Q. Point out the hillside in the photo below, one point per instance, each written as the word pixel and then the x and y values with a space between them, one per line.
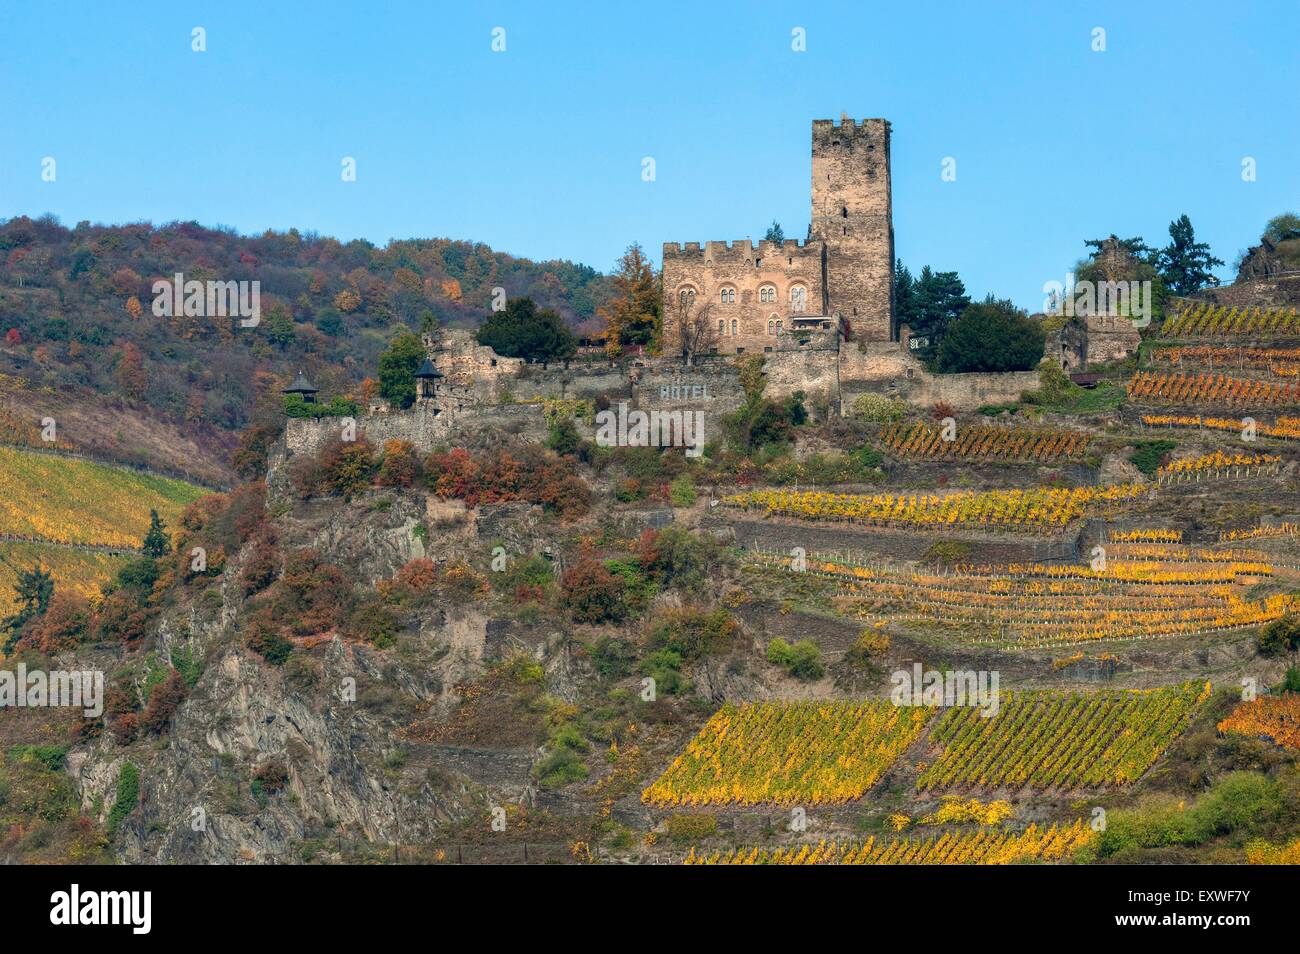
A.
pixel 77 325
pixel 61 499
pixel 518 645
pixel 78 519
pixel 858 631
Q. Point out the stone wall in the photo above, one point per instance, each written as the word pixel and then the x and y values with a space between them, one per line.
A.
pixel 1275 292
pixel 887 369
pixel 712 388
pixel 426 425
pixel 1095 339
pixel 780 535
pixel 466 364
pixel 580 379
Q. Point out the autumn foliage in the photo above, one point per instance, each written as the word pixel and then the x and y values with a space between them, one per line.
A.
pixel 530 474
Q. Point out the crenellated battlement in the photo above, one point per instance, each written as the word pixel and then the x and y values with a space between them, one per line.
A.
pixel 827 131
pixel 737 250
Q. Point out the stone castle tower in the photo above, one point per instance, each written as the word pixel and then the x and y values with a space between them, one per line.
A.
pixel 740 296
pixel 852 215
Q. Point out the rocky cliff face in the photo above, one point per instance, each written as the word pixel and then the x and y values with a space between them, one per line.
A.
pixel 310 759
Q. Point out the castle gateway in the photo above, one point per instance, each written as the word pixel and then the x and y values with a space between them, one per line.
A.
pixel 740 297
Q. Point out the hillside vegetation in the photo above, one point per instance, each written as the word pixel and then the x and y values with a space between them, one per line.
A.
pixel 81 572
pixel 76 313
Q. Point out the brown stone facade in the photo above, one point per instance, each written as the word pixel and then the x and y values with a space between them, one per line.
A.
pixel 852 215
pixel 1094 340
pixel 748 295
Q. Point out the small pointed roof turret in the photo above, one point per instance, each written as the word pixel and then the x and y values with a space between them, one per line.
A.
pixel 301 386
pixel 427 370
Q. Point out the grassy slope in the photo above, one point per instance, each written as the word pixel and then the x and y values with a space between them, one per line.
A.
pixel 74 501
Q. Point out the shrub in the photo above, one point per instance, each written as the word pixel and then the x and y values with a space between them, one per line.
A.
pixel 693 633
pixel 531 474
pixel 664 666
pixel 562 436
pixel 163 700
pixel 138 576
pixel 1280 636
pixel 400 466
pixel 272 775
pixel 189 664
pixel 65 624
pixel 123 617
pixel 681 492
pixel 871 642
pixel 592 593
pixel 311 596
pixel 877 409
pixel 347 466
pixel 687 829
pixel 295 406
pixel 374 622
pixel 128 796
pixel 803 660
pixel 1149 455
pixel 947 552
pixel 125 727
pixel 678 559
pixel 307 476
pixel 462 581
pixel 262 565
pixel 265 639
pixel 611 658
pixel 528 579
pixel 1241 804
pixel 564 764
pixel 411 583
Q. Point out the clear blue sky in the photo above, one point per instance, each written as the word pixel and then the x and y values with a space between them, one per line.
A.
pixel 537 151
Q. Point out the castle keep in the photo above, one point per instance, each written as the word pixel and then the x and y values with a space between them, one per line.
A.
pixel 744 296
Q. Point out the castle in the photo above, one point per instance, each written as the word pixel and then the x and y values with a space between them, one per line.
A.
pixel 740 297
pixel 800 303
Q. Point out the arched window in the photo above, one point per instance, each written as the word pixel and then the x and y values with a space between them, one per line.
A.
pixel 778 326
pixel 728 296
pixel 767 294
pixel 722 326
pixel 733 327
pixel 798 298
pixel 771 326
pixel 686 296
